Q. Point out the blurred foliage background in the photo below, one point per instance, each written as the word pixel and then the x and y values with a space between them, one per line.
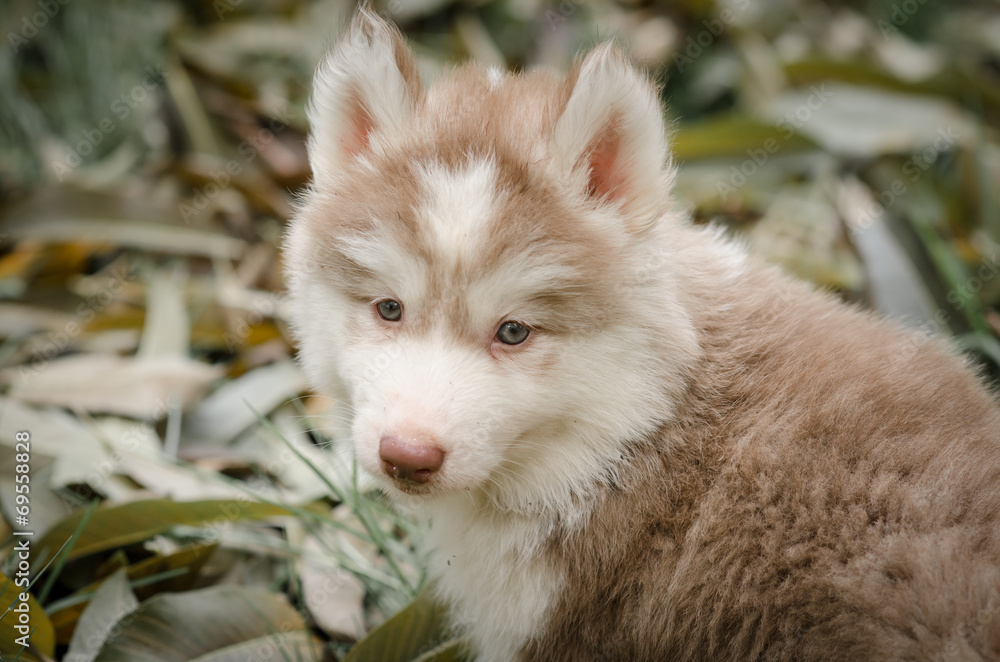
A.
pixel 150 154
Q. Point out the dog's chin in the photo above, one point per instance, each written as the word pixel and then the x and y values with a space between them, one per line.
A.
pixel 420 494
pixel 411 490
pixel 440 486
pixel 408 493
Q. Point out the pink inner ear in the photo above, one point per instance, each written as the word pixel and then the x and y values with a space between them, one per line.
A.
pixel 359 127
pixel 608 174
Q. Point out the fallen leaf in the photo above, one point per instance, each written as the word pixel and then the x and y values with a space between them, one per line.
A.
pixel 76 452
pixel 182 627
pixel 42 635
pixel 854 121
pixel 136 387
pixel 896 288
pixel 67 215
pixel 417 629
pixel 230 409
pixel 117 526
pixel 190 559
pixel 270 648
pixel 183 483
pixel 47 506
pixel 801 231
pixel 111 602
pixel 166 331
pixel 19 319
pixel 334 596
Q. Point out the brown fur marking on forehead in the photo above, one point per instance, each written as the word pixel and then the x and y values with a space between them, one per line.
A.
pixel 531 228
pixel 518 112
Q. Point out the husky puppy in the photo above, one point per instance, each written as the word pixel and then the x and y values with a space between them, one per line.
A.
pixel 634 441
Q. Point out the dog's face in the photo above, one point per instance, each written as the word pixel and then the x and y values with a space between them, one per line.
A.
pixel 467 272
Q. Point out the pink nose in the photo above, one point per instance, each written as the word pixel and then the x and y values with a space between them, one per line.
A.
pixel 413 461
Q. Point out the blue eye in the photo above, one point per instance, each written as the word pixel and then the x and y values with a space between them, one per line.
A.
pixel 512 333
pixel 389 310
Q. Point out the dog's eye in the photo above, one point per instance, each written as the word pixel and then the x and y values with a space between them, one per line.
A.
pixel 389 310
pixel 512 333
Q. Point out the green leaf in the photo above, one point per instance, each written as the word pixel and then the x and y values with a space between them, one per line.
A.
pixel 118 526
pixel 731 136
pixel 42 634
pixel 410 635
pixel 959 83
pixel 180 627
pixel 815 70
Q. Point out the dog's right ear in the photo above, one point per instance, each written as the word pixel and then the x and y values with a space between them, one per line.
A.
pixel 610 139
pixel 368 84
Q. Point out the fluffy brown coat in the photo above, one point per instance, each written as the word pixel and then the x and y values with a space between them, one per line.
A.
pixel 831 492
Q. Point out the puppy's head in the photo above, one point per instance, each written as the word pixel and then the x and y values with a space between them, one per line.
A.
pixel 480 271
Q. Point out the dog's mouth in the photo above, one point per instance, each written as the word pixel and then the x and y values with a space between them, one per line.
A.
pixel 411 488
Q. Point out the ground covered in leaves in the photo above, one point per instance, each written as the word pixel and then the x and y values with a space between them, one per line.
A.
pixel 187 496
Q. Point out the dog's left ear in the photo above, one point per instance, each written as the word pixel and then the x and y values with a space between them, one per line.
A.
pixel 610 138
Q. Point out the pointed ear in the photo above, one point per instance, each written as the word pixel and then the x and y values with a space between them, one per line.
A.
pixel 610 138
pixel 366 85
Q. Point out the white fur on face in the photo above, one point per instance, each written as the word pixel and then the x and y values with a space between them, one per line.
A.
pixel 437 384
pixel 459 205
